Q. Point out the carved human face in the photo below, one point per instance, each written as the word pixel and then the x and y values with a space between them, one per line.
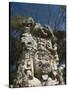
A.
pixel 41 44
pixel 28 42
pixel 46 68
pixel 43 61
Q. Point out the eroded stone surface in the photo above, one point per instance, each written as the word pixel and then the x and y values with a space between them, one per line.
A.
pixel 39 64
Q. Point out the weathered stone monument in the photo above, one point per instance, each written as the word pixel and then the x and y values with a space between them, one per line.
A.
pixel 38 64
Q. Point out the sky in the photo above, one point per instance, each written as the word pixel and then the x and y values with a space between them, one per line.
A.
pixel 39 12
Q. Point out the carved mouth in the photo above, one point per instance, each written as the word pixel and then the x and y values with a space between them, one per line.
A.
pixel 26 48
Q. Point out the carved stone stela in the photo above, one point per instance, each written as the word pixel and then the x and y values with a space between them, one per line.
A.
pixel 39 63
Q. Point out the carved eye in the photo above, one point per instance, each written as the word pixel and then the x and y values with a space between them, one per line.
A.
pixel 55 57
pixel 43 45
pixel 48 45
pixel 29 42
pixel 23 36
pixel 23 43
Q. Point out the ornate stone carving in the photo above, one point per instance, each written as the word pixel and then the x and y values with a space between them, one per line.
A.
pixel 40 58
